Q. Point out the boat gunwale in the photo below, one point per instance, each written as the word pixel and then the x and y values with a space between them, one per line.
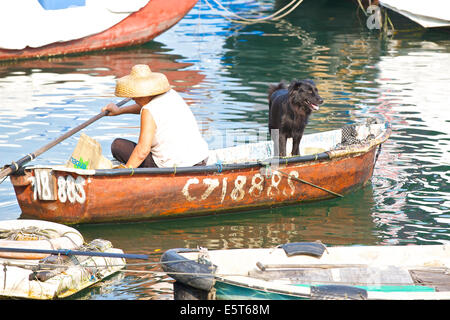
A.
pixel 353 150
pixel 213 168
pixel 305 292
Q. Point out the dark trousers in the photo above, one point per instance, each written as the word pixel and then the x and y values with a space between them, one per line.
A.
pixel 121 149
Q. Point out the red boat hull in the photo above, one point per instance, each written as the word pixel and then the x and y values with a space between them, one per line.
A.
pixel 141 197
pixel 142 26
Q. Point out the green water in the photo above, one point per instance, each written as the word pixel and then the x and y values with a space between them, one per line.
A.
pixel 223 70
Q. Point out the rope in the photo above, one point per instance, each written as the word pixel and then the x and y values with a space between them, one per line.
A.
pixel 268 169
pixel 273 17
pixel 4 271
pixel 311 184
pixel 31 232
pixel 376 156
pixel 77 234
pixel 219 166
pixel 15 165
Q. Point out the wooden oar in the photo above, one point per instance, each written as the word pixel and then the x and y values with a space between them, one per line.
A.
pixel 15 165
pixel 264 267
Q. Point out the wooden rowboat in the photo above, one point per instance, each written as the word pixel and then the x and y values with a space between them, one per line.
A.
pixel 139 27
pixel 311 271
pixel 239 178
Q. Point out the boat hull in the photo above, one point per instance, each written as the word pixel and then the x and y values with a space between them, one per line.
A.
pixel 138 196
pixel 235 179
pixel 142 26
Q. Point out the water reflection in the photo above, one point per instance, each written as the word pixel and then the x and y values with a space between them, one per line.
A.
pixel 362 74
pixel 334 222
pixel 410 87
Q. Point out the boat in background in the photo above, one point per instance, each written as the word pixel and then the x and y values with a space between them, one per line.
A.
pixel 116 63
pixel 30 271
pixel 311 271
pixel 239 178
pixel 428 14
pixel 83 25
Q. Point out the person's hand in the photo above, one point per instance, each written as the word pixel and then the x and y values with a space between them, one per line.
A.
pixel 122 166
pixel 112 108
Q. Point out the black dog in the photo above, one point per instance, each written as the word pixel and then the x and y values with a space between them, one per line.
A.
pixel 289 110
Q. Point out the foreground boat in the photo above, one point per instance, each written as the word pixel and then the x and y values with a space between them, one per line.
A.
pixel 311 271
pixel 29 272
pixel 83 26
pixel 239 178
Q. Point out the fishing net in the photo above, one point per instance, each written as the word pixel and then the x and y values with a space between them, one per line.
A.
pixel 28 234
pixel 351 136
pixel 99 245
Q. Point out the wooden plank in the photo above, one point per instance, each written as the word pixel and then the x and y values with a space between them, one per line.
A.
pixel 439 279
pixel 388 275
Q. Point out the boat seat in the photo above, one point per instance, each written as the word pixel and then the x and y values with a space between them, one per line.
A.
pixel 387 275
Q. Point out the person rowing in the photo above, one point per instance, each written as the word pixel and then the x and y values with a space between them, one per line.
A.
pixel 169 135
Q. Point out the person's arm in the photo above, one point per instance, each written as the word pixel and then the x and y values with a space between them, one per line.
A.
pixel 114 110
pixel 144 145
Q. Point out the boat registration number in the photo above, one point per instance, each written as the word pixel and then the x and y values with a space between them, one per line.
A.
pixel 241 186
pixel 65 189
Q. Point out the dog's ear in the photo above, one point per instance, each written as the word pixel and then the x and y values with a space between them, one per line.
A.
pixel 295 85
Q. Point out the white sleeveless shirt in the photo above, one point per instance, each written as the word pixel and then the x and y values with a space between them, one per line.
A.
pixel 177 140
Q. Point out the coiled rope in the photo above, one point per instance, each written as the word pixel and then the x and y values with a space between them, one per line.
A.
pixel 35 233
pixel 273 17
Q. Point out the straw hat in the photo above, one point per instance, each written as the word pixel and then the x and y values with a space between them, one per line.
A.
pixel 141 82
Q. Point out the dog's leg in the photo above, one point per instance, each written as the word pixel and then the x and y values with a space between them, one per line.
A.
pixel 274 134
pixel 296 144
pixel 282 142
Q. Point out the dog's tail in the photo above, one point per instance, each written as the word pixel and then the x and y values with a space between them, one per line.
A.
pixel 275 87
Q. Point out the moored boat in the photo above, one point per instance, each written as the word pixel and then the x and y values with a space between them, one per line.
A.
pixel 311 271
pixel 429 14
pixel 83 26
pixel 32 269
pixel 238 178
